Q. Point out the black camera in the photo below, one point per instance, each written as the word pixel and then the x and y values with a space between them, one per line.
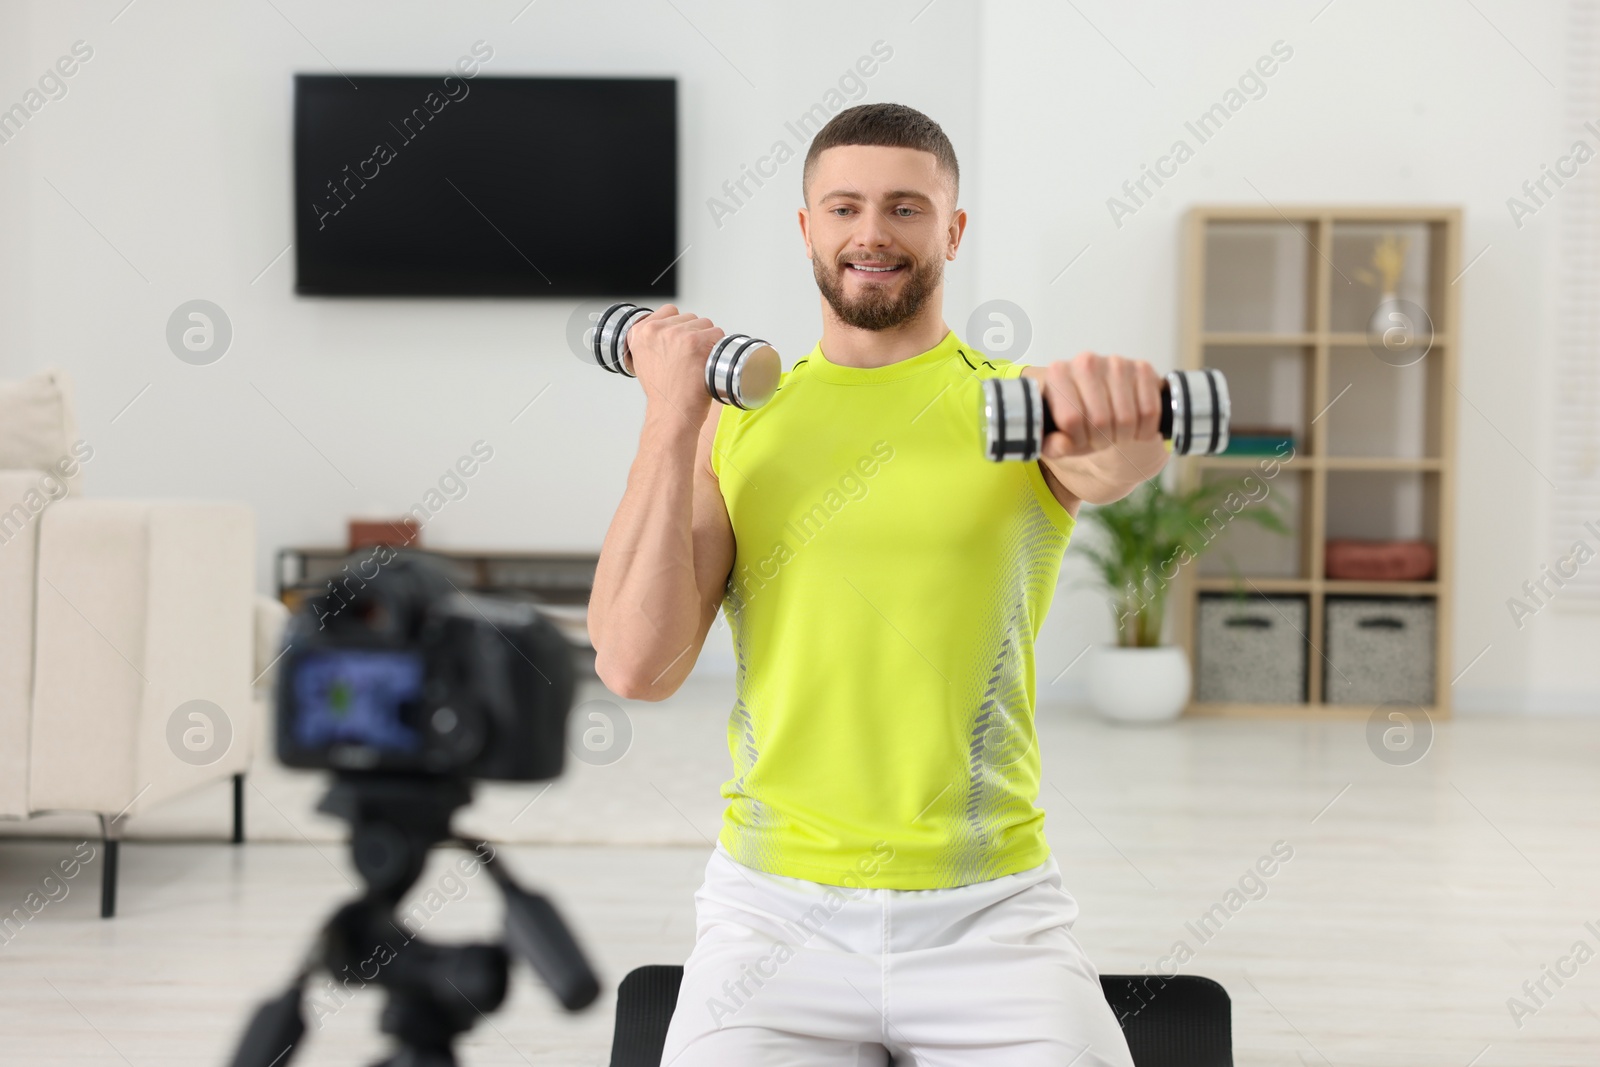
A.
pixel 400 671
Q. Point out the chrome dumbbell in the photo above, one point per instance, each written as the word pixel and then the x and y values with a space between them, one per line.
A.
pixel 1195 408
pixel 741 370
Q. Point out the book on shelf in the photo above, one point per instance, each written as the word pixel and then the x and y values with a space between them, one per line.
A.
pixel 1259 441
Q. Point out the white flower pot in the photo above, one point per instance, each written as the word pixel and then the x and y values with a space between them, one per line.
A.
pixel 1138 684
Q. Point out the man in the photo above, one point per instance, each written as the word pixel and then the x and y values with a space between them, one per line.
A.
pixel 881 884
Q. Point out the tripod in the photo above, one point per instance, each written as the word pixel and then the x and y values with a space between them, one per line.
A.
pixel 434 991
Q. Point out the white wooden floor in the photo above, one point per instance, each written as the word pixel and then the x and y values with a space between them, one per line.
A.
pixel 1418 899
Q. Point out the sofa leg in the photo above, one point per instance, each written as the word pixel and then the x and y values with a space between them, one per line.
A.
pixel 108 869
pixel 238 809
pixel 108 881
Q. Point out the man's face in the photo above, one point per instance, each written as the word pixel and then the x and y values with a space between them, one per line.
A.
pixel 874 207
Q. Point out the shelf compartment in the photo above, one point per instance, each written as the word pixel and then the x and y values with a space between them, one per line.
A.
pixel 1383 411
pixel 1359 284
pixel 1383 505
pixel 1234 545
pixel 1269 387
pixel 1259 278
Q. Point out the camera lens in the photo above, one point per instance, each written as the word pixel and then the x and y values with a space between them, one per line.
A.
pixel 459 731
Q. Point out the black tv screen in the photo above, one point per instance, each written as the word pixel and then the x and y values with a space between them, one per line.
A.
pixel 442 185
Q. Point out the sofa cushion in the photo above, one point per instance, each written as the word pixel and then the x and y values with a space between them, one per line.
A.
pixel 143 607
pixel 39 431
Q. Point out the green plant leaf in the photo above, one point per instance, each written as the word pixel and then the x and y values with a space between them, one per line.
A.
pixel 1153 532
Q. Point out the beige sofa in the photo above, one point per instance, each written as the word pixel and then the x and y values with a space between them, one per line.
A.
pixel 135 654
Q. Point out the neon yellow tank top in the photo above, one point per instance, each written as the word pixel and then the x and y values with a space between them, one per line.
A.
pixel 888 586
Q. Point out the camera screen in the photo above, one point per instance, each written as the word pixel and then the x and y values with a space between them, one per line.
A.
pixel 358 697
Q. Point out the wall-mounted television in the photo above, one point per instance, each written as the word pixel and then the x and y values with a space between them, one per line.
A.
pixel 441 185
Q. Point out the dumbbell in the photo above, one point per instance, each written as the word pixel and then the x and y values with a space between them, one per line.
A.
pixel 741 370
pixel 1194 415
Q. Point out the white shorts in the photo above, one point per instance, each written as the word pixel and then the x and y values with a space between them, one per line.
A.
pixel 790 973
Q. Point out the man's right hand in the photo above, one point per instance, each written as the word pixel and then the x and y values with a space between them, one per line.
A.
pixel 669 349
pixel 668 553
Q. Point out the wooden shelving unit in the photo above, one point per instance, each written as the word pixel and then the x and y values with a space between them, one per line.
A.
pixel 1273 296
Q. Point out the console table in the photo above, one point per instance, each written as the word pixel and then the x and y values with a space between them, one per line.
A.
pixel 559 582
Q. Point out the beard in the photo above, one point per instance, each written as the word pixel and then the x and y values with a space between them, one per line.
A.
pixel 877 307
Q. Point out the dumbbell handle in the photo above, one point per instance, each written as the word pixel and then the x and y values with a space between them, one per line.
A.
pixel 1195 409
pixel 741 370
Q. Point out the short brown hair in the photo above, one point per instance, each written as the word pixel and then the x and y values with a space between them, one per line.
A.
pixel 887 125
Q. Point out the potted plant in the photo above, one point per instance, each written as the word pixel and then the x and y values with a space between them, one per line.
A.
pixel 1150 535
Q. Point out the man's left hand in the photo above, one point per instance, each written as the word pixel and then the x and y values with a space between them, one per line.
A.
pixel 1107 412
pixel 1099 402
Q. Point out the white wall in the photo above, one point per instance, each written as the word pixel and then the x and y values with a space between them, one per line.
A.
pixel 173 143
pixel 15 56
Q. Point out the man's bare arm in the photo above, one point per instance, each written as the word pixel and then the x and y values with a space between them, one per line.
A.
pixel 669 549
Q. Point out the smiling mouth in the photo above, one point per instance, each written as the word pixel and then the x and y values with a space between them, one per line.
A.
pixel 875 270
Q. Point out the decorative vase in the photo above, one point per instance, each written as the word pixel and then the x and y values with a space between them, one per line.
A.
pixel 1399 332
pixel 1139 684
